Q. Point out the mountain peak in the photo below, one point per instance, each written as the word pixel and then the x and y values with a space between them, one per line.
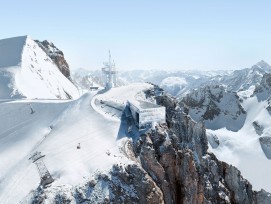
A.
pixel 263 65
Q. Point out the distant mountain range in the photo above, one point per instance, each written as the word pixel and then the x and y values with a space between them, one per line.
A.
pixel 179 83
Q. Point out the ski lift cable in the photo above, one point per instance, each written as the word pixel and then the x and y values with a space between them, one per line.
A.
pixel 74 141
pixel 65 146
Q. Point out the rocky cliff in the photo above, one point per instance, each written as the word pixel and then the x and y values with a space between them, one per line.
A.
pixel 56 55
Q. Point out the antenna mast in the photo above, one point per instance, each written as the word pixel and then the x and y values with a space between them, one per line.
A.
pixel 109 72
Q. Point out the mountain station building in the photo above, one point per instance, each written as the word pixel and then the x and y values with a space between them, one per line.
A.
pixel 146 114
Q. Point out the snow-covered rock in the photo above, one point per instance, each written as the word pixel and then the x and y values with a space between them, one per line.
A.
pixel 216 106
pixel 213 140
pixel 266 145
pixel 240 80
pixel 258 127
pixel 26 71
pixel 263 90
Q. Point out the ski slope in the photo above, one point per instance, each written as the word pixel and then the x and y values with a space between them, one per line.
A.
pixel 72 122
pixel 55 129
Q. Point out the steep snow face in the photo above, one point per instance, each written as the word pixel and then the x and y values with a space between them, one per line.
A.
pixel 217 107
pixel 28 72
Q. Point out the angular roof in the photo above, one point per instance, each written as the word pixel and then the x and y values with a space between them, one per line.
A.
pixel 143 105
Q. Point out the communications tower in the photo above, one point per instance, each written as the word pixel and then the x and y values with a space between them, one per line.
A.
pixel 109 73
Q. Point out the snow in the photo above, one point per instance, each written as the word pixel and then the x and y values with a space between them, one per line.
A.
pixel 216 98
pixel 23 133
pixel 28 72
pixel 121 94
pixel 243 149
pixel 55 129
pixel 118 97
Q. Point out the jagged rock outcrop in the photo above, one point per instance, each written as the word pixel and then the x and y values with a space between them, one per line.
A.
pixel 265 142
pixel 56 55
pixel 268 108
pixel 210 103
pixel 123 184
pixel 258 127
pixel 263 90
pixel 213 140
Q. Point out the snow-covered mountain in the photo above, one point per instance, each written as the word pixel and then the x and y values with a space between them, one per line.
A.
pixel 85 79
pixel 216 106
pixel 26 71
pixel 244 79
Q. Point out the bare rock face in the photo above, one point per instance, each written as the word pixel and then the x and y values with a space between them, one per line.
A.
pixel 263 90
pixel 56 55
pixel 268 108
pixel 265 142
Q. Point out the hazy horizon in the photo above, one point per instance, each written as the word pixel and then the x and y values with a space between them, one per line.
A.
pixel 174 35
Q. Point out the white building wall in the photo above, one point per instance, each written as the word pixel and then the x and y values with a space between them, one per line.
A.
pixel 149 116
pixel 145 118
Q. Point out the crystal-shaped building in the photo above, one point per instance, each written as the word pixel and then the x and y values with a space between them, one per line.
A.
pixel 146 114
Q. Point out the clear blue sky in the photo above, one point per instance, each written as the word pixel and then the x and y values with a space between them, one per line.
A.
pixel 144 34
